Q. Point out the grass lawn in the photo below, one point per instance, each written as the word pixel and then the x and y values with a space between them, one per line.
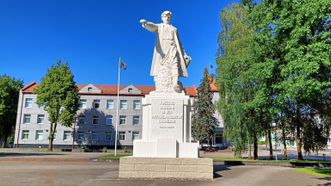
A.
pixel 324 173
pixel 113 157
pixel 221 159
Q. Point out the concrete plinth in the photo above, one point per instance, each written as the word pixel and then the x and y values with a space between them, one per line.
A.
pixel 166 129
pixel 178 168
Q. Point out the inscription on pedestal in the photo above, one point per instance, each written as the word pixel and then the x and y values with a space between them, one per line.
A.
pixel 167 119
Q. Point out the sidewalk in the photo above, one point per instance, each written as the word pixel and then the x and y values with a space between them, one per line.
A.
pixel 30 155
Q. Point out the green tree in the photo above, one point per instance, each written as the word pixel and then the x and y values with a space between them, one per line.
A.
pixel 235 54
pixel 302 30
pixel 245 77
pixel 9 93
pixel 203 121
pixel 58 94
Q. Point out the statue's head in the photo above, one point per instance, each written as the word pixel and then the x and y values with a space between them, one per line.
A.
pixel 166 17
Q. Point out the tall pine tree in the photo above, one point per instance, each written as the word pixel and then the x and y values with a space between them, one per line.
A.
pixel 203 121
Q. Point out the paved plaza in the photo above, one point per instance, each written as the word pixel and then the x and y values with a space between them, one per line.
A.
pixel 78 169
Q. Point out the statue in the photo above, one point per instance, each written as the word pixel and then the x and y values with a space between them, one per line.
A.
pixel 169 60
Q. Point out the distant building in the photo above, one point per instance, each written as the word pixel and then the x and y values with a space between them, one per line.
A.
pixel 95 122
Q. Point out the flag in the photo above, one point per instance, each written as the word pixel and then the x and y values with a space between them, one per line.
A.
pixel 122 65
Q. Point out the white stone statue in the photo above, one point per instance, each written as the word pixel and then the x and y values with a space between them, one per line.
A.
pixel 169 60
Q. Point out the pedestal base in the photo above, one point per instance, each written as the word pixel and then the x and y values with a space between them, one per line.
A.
pixel 178 168
pixel 168 148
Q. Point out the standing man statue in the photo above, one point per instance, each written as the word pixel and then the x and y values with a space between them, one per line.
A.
pixel 169 60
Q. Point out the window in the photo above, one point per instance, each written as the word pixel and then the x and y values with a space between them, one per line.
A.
pixel 80 135
pixel 82 104
pixel 109 120
pixel 28 103
pixel 94 136
pixel 122 120
pixel 95 120
pixel 25 134
pixel 219 138
pixel 66 135
pixel 135 135
pixel 110 104
pixel 39 135
pixel 136 104
pixel 27 118
pixel 123 104
pixel 81 119
pixel 108 135
pixel 40 119
pixel 121 136
pixel 96 103
pixel 130 89
pixel 135 120
pixel 89 89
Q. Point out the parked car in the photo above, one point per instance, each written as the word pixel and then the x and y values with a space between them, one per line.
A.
pixel 208 148
pixel 220 146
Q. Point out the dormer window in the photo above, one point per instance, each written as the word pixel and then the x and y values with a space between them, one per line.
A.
pixel 89 89
pixel 130 89
pixel 96 103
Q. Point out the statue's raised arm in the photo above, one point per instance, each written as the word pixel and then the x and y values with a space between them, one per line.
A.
pixel 148 25
pixel 169 59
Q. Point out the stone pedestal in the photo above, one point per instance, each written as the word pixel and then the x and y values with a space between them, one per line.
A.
pixel 166 129
pixel 165 150
pixel 178 168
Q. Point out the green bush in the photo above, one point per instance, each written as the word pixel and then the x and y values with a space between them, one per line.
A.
pixel 261 142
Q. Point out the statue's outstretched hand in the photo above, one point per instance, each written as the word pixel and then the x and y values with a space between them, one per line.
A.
pixel 142 21
pixel 187 59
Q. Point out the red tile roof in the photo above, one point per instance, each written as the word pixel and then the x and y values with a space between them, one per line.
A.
pixel 112 89
pixel 213 85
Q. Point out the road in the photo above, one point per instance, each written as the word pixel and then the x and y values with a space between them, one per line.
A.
pixel 39 173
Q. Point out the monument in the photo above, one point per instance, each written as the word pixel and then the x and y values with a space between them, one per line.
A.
pixel 166 148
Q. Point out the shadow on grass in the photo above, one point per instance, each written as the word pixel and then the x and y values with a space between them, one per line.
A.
pixel 325 179
pixel 327 174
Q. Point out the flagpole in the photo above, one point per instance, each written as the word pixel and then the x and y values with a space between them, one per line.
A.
pixel 118 103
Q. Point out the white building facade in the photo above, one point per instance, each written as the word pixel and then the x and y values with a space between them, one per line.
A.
pixel 96 119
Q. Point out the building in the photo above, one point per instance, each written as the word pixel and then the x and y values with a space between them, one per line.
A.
pixel 96 118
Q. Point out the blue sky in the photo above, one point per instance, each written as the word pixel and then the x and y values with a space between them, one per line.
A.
pixel 92 34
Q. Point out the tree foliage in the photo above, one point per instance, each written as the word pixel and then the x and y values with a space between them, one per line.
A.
pixel 240 79
pixel 301 29
pixel 204 122
pixel 58 94
pixel 9 93
pixel 274 67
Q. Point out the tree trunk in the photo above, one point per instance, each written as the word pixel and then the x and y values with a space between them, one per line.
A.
pixel 73 137
pixel 284 144
pixel 299 141
pixel 5 141
pixel 271 156
pixel 255 147
pixel 4 137
pixel 2 143
pixel 250 151
pixel 51 136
